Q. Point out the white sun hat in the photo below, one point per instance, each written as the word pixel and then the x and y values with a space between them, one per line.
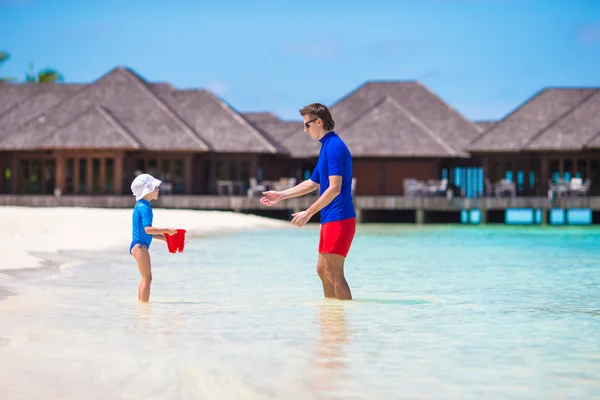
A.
pixel 144 184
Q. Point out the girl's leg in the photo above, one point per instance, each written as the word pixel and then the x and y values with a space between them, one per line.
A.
pixel 142 256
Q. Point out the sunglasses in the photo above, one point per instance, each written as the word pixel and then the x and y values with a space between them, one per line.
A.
pixel 307 123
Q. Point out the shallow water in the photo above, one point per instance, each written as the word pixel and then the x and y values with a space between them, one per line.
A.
pixel 438 312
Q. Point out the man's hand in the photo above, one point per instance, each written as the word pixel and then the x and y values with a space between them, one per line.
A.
pixel 271 198
pixel 301 218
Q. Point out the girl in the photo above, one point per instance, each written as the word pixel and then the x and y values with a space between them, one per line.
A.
pixel 145 189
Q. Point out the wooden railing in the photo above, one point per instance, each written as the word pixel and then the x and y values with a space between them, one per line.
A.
pixel 239 203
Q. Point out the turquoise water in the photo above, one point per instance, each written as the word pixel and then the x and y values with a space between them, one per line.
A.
pixel 439 312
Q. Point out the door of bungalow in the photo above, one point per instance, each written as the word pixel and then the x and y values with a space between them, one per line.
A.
pixel 6 173
pixel 237 171
pixel 35 174
pixel 170 169
pixel 569 167
pixel 93 174
pixel 524 172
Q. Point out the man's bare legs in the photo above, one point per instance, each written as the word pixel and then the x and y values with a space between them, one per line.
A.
pixel 325 279
pixel 334 265
pixel 142 257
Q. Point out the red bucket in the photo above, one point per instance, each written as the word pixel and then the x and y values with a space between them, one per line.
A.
pixel 176 242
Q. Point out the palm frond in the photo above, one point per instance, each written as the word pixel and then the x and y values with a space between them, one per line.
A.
pixel 49 76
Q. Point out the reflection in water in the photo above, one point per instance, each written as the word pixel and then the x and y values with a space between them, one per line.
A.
pixel 331 359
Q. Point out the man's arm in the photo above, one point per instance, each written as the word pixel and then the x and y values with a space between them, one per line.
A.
pixel 334 189
pixel 299 190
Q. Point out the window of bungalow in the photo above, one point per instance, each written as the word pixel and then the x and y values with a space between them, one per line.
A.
pixel 152 167
pixel 508 175
pixel 36 176
pixel 508 172
pixel 480 182
pixel 307 171
pixel 531 179
pixel 69 182
pixel 7 174
pixel 178 178
pixel 554 171
pixel 260 174
pixel 110 176
pixel 166 170
pixel 494 172
pixel 595 176
pixel 49 176
pixel 233 173
pixel 207 177
pixel 96 184
pixel 459 180
pixel 25 177
pixel 581 171
pixel 140 167
pixel 82 184
pixel 221 170
pixel 245 172
pixel 568 168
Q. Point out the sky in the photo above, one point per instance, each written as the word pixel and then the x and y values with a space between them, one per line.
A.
pixel 484 58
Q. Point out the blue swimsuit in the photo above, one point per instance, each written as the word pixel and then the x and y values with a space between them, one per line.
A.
pixel 142 218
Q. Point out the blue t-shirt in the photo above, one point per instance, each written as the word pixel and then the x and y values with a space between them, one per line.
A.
pixel 142 217
pixel 335 159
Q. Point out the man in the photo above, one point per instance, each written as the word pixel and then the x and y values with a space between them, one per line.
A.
pixel 333 174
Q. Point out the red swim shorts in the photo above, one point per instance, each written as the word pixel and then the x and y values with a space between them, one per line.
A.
pixel 336 237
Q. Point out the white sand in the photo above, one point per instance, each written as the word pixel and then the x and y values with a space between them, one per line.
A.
pixel 25 229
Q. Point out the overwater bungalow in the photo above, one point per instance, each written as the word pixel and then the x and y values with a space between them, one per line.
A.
pixel 398 133
pixel 546 146
pixel 413 154
pixel 94 138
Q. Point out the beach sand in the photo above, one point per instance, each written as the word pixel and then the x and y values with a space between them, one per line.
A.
pixel 26 233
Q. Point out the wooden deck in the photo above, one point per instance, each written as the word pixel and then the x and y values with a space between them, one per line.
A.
pixel 239 203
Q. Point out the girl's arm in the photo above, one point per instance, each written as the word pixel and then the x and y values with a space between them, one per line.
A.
pixel 151 230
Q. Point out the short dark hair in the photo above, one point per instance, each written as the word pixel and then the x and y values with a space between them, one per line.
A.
pixel 320 111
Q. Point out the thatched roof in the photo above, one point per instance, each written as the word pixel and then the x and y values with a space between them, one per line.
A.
pixel 395 119
pixel 573 131
pixel 12 94
pixel 300 144
pixel 594 143
pixel 156 116
pixel 485 125
pixel 521 126
pixel 130 102
pixel 260 117
pixel 432 112
pixel 389 130
pixel 290 134
pixel 279 130
pixel 102 132
pixel 30 107
pixel 378 119
pixel 217 124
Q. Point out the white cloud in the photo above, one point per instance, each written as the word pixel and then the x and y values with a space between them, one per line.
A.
pixel 590 33
pixel 218 88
